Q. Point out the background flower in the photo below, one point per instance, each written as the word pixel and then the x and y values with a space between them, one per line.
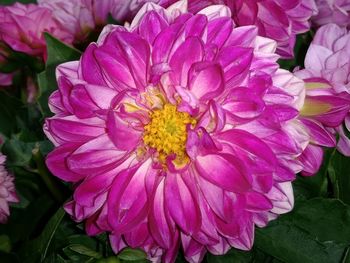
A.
pixel 22 27
pixel 7 191
pixel 152 111
pixel 327 75
pixel 279 20
pixel 332 11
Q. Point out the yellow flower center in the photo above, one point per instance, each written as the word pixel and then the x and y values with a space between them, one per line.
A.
pixel 166 132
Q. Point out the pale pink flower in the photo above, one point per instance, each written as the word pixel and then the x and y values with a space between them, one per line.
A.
pixel 177 129
pixel 327 76
pixel 7 191
pixel 332 11
pixel 79 17
pixel 22 27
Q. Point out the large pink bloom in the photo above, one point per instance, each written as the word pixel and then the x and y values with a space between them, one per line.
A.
pixel 327 76
pixel 178 129
pixel 7 191
pixel 22 28
pixel 333 11
pixel 276 19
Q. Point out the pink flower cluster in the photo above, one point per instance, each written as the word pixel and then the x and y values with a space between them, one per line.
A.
pixel 178 128
pixel 7 191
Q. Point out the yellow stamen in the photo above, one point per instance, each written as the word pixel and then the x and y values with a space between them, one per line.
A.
pixel 166 132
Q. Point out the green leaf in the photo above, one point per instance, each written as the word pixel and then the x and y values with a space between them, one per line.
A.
pixel 46 236
pixel 18 153
pixel 234 255
pixel 83 250
pixel 318 230
pixel 129 254
pixel 9 108
pixel 111 259
pixel 340 176
pixel 5 243
pixel 307 187
pixel 58 52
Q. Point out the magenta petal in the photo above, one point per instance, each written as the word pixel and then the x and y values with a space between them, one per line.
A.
pixel 57 164
pixel 128 202
pixel 123 136
pixel 257 202
pixel 232 176
pixel 242 104
pixel 151 25
pixel 193 250
pixel 117 243
pixel 161 227
pixel 90 70
pixel 251 144
pixel 246 239
pixel 219 30
pixel 135 51
pixel 188 53
pixel 72 129
pixel 206 80
pixel 181 204
pixel 319 134
pixel 311 159
pixel 235 62
pixel 95 156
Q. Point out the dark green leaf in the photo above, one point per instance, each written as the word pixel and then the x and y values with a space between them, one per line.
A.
pixel 318 230
pixel 234 255
pixel 83 250
pixel 129 254
pixel 46 236
pixel 307 187
pixel 9 108
pixel 18 153
pixel 339 172
pixel 58 52
pixel 5 243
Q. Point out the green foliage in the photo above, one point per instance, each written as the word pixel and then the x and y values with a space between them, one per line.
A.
pixel 58 53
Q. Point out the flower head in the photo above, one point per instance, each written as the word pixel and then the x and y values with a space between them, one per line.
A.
pixel 327 76
pixel 22 27
pixel 7 191
pixel 332 11
pixel 177 128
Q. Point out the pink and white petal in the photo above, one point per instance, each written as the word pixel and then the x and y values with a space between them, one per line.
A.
pixel 206 81
pixel 56 161
pixel 311 159
pixel 121 133
pixel 181 204
pixel 233 175
pixel 95 156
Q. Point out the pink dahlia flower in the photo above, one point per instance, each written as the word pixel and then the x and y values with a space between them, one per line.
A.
pixel 79 17
pixel 7 191
pixel 177 129
pixel 333 11
pixel 327 76
pixel 22 27
pixel 276 19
